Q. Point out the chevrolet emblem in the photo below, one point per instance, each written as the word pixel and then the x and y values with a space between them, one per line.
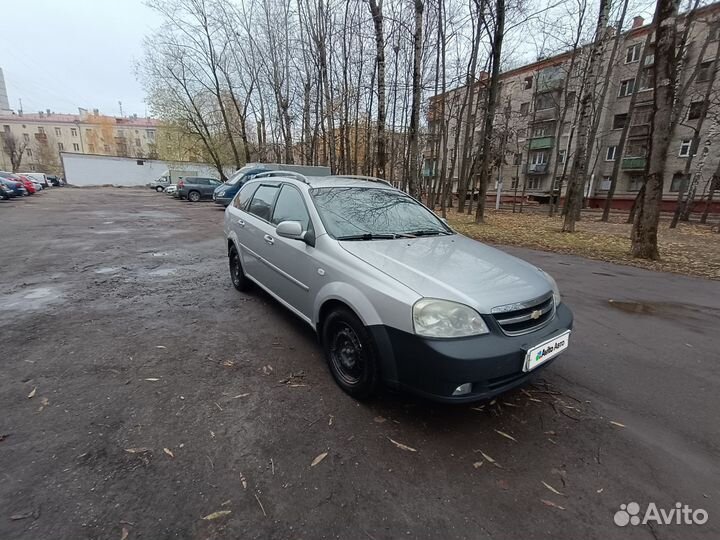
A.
pixel 536 314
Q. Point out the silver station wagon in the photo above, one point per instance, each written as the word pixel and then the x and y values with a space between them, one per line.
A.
pixel 394 294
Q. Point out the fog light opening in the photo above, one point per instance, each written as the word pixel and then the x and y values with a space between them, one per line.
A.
pixel 463 389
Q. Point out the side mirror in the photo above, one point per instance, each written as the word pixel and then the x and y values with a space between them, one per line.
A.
pixel 294 231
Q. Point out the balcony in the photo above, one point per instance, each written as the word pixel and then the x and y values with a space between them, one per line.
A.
pixel 537 168
pixel 546 114
pixel 633 163
pixel 541 143
pixel 641 130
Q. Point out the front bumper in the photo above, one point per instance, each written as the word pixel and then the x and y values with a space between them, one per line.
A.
pixel 434 368
pixel 224 201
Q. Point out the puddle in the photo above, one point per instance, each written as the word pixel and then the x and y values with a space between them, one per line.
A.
pixel 108 222
pixel 668 310
pixel 112 231
pixel 160 254
pixel 30 299
pixel 161 272
pixel 107 270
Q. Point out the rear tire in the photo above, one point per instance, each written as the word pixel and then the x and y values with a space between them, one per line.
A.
pixel 194 196
pixel 237 275
pixel 350 353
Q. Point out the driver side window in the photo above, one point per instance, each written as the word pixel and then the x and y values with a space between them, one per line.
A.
pixel 290 207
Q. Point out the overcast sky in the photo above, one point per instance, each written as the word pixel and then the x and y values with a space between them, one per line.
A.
pixel 65 54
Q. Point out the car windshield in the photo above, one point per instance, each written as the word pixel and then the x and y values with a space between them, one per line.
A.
pixel 358 213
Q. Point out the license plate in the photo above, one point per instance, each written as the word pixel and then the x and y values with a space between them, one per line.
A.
pixel 545 351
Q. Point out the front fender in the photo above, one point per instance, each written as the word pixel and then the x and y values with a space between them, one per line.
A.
pixel 347 294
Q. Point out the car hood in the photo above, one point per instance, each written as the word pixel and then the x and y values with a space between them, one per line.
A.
pixel 455 268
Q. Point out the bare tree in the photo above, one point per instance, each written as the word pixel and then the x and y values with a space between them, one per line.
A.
pixel 413 170
pixel 645 224
pixel 14 148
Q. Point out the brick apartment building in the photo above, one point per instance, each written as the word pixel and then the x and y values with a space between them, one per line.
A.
pixel 536 144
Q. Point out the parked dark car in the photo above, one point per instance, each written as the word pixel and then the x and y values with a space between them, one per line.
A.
pixel 55 181
pixel 225 193
pixel 194 188
pixel 5 192
pixel 15 185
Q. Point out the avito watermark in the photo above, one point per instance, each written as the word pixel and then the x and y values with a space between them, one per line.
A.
pixel 680 514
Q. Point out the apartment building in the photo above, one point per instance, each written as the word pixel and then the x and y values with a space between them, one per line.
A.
pixel 45 134
pixel 536 120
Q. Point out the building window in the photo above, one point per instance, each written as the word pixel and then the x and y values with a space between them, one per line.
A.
pixel 524 108
pixel 714 33
pixel 6 128
pixel 26 137
pixel 528 83
pixel 647 79
pixel 28 151
pixel 120 133
pixel 685 148
pixel 61 147
pixel 107 148
pixel 542 130
pixel 518 159
pixel 545 101
pixel 619 121
pixel 561 157
pixel 641 116
pixel 626 87
pixel 678 182
pixel 570 99
pixel 533 182
pixel 88 132
pixel 514 183
pixel 76 147
pixel 635 182
pixel 636 149
pixel 605 183
pixel 151 134
pixel 695 110
pixel 58 132
pixel 539 158
pixel 704 72
pixel 137 142
pixel 41 130
pixel 73 132
pixel 632 54
pixel 91 148
pixel 610 155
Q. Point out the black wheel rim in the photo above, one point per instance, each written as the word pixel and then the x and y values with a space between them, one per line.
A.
pixel 235 268
pixel 346 354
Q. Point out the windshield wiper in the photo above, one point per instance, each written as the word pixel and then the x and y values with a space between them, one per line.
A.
pixel 374 236
pixel 427 232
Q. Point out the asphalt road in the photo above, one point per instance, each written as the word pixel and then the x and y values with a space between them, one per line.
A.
pixel 139 393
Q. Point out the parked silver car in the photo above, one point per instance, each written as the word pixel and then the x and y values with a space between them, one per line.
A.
pixel 395 295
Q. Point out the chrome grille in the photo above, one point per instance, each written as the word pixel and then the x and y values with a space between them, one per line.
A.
pixel 525 317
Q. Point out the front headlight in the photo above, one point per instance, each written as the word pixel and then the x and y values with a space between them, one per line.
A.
pixel 556 290
pixel 445 319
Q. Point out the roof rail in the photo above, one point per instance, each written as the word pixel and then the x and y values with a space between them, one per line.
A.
pixel 363 177
pixel 270 174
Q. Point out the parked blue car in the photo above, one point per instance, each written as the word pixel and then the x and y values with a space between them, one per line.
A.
pixel 224 193
pixel 16 188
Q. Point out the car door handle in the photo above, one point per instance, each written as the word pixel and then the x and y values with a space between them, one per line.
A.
pixel 269 239
pixel 241 222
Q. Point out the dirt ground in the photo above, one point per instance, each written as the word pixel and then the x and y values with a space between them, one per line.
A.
pixel 141 396
pixel 691 248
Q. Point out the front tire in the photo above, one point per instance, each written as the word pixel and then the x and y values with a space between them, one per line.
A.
pixel 159 189
pixel 194 196
pixel 350 354
pixel 237 275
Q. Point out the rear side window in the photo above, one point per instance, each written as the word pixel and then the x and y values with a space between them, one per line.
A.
pixel 290 207
pixel 245 195
pixel 262 201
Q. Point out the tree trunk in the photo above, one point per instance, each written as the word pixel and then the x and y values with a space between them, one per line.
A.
pixel 377 16
pixel 585 137
pixel 486 149
pixel 412 175
pixel 645 225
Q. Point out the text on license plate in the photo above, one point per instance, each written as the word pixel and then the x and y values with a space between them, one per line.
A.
pixel 546 350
